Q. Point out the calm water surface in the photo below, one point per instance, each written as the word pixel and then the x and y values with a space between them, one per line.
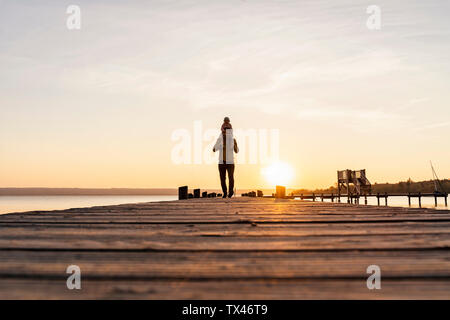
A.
pixel 31 203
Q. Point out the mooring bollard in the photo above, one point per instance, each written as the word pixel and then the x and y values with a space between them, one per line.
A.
pixel 183 193
pixel 280 192
pixel 196 193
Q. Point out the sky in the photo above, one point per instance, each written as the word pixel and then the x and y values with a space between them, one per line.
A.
pixel 102 106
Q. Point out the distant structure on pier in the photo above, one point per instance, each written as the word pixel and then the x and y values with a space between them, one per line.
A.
pixel 438 187
pixel 353 182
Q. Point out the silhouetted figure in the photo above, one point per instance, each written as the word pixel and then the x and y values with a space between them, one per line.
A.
pixel 226 144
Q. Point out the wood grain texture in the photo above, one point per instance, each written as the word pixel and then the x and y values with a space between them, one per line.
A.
pixel 241 248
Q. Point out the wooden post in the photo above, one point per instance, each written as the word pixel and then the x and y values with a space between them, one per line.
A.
pixel 385 199
pixel 301 196
pixel 332 197
pixel 314 197
pixel 420 200
pixel 280 192
pixel 378 199
pixel 365 200
pixel 182 193
pixel 445 198
pixel 435 200
pixel 322 197
pixel 409 199
pixel 204 194
pixel 260 193
pixel 196 193
pixel 348 189
pixel 338 188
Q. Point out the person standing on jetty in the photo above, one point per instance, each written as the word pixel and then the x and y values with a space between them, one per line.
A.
pixel 226 144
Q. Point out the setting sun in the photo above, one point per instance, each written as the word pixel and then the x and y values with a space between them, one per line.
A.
pixel 278 173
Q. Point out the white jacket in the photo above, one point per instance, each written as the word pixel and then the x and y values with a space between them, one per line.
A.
pixel 230 146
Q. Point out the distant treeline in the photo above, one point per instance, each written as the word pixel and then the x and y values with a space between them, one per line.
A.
pixel 400 187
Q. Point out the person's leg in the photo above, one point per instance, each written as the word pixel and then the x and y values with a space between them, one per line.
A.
pixel 222 173
pixel 230 169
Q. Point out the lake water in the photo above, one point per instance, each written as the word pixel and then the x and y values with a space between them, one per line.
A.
pixel 427 202
pixel 31 203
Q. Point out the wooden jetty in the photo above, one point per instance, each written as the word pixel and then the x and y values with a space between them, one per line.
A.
pixel 239 248
pixel 355 198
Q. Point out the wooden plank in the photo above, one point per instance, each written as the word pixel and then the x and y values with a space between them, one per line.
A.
pixel 222 230
pixel 186 219
pixel 226 290
pixel 225 265
pixel 199 243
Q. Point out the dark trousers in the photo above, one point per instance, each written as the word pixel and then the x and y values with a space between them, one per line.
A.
pixel 223 168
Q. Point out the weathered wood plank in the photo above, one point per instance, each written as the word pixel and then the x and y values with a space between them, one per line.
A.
pixel 222 230
pixel 199 243
pixel 226 290
pixel 186 219
pixel 225 265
